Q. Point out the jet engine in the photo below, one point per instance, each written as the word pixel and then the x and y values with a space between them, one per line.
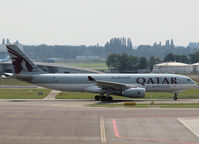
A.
pixel 134 92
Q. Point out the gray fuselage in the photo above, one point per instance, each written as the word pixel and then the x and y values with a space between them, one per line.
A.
pixel 80 82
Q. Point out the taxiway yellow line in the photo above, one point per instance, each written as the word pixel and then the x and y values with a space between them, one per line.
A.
pixel 102 130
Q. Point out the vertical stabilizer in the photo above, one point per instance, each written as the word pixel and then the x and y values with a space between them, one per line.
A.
pixel 21 63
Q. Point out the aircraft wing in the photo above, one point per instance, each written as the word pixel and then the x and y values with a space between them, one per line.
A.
pixel 109 85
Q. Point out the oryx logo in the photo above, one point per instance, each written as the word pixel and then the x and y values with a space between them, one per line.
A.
pixel 19 62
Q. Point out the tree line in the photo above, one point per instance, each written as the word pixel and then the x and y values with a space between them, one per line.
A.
pixel 119 46
pixel 114 45
pixel 191 58
pixel 130 63
pixel 43 51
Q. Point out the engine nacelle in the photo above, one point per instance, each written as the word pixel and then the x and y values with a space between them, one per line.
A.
pixel 134 92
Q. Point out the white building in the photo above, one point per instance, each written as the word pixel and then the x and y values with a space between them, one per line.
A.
pixel 173 67
pixel 87 55
pixel 196 67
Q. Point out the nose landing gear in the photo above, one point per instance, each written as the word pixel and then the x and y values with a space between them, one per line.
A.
pixel 175 96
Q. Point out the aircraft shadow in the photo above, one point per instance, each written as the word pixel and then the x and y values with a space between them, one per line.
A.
pixel 119 101
pixel 131 100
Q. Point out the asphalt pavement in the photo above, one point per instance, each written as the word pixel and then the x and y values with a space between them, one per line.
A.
pixel 48 121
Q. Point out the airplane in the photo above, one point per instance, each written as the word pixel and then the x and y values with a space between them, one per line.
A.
pixel 105 85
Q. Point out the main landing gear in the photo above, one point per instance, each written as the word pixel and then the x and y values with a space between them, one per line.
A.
pixel 175 96
pixel 103 98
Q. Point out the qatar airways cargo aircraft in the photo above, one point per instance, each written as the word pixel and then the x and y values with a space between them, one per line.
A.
pixel 105 85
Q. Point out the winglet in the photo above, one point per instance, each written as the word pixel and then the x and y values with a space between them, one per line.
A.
pixel 90 78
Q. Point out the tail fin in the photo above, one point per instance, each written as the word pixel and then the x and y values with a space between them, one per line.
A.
pixel 21 63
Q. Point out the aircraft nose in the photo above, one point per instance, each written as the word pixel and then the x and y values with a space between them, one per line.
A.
pixel 195 83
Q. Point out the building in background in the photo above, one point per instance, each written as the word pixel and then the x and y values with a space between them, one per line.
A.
pixel 50 67
pixel 196 68
pixel 173 67
pixel 4 56
pixel 194 45
pixel 87 55
pixel 7 67
pixel 3 50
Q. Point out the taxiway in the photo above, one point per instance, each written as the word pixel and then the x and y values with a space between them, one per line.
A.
pixel 66 121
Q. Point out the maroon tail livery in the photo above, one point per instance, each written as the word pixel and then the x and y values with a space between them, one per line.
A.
pixel 21 63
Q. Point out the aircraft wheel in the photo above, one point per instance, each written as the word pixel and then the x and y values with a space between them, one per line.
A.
pixel 97 97
pixel 175 98
pixel 110 98
pixel 103 98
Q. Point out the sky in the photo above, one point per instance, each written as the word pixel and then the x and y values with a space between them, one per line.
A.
pixel 88 22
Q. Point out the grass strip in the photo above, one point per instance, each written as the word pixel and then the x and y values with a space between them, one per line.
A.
pixel 23 93
pixel 88 65
pixel 14 82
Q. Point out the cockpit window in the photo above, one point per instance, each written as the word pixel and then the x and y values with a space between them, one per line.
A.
pixel 188 80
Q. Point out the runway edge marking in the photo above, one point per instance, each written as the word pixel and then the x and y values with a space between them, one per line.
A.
pixel 102 130
pixel 187 126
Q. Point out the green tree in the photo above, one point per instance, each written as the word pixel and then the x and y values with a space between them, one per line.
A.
pixel 169 58
pixel 133 63
pixel 142 63
pixel 126 63
pixel 152 61
pixel 184 59
pixel 194 58
pixel 112 61
pixel 178 58
pixel 123 63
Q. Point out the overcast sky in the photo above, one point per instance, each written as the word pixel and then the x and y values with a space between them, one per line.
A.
pixel 90 22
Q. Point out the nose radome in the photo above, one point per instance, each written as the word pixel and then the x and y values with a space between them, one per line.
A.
pixel 194 83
